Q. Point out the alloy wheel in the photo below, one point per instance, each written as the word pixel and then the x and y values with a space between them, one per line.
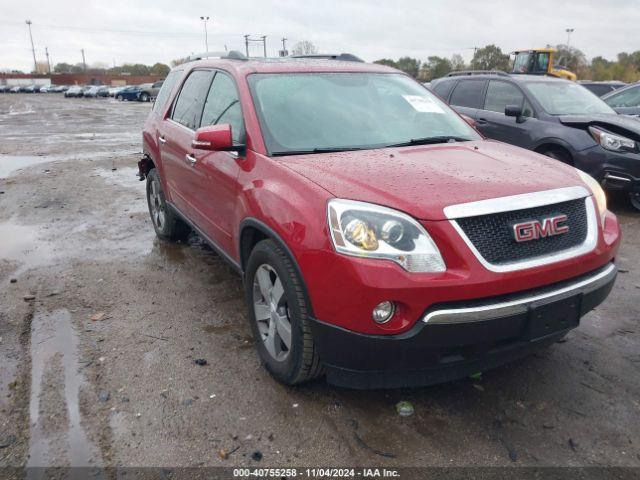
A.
pixel 156 205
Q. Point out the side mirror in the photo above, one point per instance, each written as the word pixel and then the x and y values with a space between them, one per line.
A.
pixel 469 120
pixel 513 111
pixel 217 138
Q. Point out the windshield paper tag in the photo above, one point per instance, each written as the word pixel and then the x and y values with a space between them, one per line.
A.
pixel 423 104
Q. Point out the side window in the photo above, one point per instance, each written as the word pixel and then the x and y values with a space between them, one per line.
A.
pixel 628 98
pixel 443 88
pixel 500 94
pixel 188 107
pixel 468 93
pixel 223 106
pixel 165 91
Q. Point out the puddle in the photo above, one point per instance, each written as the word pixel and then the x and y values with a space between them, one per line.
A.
pixel 20 244
pixel 54 338
pixel 124 177
pixel 12 163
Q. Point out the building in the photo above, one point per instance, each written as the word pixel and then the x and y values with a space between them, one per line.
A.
pixel 13 79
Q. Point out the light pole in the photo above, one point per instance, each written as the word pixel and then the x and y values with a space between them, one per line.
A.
pixel 569 32
pixel 206 36
pixel 33 50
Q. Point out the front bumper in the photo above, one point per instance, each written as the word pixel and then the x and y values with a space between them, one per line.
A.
pixel 455 340
pixel 616 171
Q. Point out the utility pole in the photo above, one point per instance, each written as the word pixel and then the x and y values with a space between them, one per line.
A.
pixel 264 45
pixel 46 51
pixel 284 52
pixel 246 44
pixel 569 32
pixel 206 35
pixel 84 63
pixel 33 50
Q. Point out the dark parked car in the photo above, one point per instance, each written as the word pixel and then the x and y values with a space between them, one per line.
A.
pixel 601 88
pixel 130 94
pixel 626 100
pixel 150 90
pixel 555 117
pixel 4 88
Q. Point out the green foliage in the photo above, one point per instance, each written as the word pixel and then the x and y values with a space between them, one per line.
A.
pixel 490 58
pixel 160 69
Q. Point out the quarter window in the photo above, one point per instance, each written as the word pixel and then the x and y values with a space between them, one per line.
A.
pixel 468 93
pixel 165 90
pixel 188 108
pixel 501 94
pixel 223 106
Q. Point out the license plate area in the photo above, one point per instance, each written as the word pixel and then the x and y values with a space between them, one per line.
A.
pixel 550 318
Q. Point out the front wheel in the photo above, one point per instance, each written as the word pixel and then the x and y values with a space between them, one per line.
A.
pixel 279 315
pixel 144 97
pixel 166 223
pixel 119 97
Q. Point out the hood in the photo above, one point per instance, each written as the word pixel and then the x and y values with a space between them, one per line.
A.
pixel 423 180
pixel 623 124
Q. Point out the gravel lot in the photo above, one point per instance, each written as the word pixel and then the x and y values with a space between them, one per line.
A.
pixel 98 363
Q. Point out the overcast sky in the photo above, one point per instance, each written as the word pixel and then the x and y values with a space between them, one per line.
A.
pixel 149 31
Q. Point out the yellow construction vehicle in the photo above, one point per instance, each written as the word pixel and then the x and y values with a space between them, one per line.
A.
pixel 540 61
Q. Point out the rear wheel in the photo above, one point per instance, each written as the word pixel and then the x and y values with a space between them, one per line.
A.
pixel 166 223
pixel 144 97
pixel 279 315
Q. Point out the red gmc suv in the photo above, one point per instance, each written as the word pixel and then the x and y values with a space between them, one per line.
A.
pixel 382 240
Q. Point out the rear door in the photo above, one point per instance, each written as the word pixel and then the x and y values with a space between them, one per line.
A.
pixel 176 132
pixel 492 121
pixel 468 96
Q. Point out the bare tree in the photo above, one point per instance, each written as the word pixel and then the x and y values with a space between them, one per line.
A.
pixel 305 47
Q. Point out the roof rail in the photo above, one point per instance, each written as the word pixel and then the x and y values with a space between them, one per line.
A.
pixel 345 57
pixel 230 55
pixel 477 72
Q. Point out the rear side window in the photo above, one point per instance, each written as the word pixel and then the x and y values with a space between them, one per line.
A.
pixel 188 108
pixel 501 94
pixel 626 98
pixel 468 93
pixel 223 106
pixel 165 91
pixel 443 88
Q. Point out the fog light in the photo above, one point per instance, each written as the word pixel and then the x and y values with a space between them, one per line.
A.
pixel 383 312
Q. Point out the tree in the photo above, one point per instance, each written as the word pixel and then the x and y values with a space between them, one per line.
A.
pixel 490 58
pixel 457 62
pixel 387 61
pixel 160 69
pixel 409 65
pixel 570 58
pixel 437 67
pixel 305 47
pixel 62 67
pixel 179 61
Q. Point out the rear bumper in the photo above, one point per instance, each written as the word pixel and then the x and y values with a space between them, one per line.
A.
pixel 455 340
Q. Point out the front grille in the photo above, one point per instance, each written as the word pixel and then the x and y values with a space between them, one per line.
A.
pixel 492 234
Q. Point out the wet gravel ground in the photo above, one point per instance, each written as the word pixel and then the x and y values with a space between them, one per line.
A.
pixel 101 324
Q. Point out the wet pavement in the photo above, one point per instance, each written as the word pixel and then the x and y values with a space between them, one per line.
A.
pixel 101 324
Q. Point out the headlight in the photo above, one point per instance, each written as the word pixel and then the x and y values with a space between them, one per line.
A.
pixel 598 193
pixel 367 230
pixel 611 141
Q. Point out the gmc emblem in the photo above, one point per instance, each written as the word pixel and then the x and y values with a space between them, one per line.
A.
pixel 535 229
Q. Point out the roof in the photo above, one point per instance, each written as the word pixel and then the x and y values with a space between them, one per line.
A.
pixel 518 77
pixel 288 65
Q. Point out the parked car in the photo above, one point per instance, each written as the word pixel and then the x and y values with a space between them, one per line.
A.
pixel 96 91
pixel 601 88
pixel 74 91
pixel 62 88
pixel 4 88
pixel 555 117
pixel 150 90
pixel 380 238
pixel 113 91
pixel 47 88
pixel 625 100
pixel 30 88
pixel 129 94
pixel 15 89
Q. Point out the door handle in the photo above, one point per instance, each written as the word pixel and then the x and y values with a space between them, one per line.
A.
pixel 482 121
pixel 162 140
pixel 191 159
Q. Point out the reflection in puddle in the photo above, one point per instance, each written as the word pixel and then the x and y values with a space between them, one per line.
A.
pixel 54 342
pixel 20 244
pixel 11 163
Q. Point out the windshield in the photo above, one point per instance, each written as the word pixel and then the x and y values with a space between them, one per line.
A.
pixel 340 111
pixel 566 98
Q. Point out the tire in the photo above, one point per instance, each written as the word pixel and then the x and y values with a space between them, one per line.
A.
pixel 166 223
pixel 635 202
pixel 298 362
pixel 144 97
pixel 559 154
pixel 119 97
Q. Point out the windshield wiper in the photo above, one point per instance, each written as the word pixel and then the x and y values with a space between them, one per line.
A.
pixel 429 141
pixel 314 150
